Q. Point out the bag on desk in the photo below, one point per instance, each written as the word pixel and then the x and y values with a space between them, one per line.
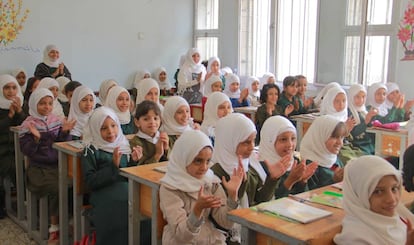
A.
pixel 88 239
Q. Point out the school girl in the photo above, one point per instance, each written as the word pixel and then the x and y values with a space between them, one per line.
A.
pixel 288 96
pixel 81 107
pixel 213 67
pixel 305 103
pixel 267 78
pixel 213 84
pixel 253 83
pixel 52 66
pixel 148 89
pixel 21 76
pixel 53 85
pixel 237 97
pixel 62 98
pixel 376 99
pixel 104 88
pixel 32 84
pixel 161 77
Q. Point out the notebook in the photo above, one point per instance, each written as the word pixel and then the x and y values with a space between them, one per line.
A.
pixel 328 198
pixel 294 210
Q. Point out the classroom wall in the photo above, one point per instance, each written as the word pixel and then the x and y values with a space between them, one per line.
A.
pixel 100 40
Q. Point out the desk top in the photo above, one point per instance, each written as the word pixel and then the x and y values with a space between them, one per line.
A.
pixel 398 132
pixel 245 109
pixel 309 117
pixel 144 173
pixel 67 148
pixel 322 230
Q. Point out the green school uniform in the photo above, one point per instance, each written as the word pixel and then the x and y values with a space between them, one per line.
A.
pixel 322 176
pixel 360 138
pixel 130 127
pixel 148 151
pixel 394 115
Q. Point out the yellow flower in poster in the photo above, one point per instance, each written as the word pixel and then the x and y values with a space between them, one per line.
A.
pixel 10 21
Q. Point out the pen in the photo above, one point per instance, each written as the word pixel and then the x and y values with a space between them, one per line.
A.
pixel 332 193
pixel 296 198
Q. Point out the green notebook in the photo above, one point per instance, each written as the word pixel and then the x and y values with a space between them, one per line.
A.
pixel 328 198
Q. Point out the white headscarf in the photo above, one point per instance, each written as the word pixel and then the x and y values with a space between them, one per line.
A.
pixel 327 106
pixel 189 68
pixel 209 82
pixel 46 59
pixel 34 99
pixel 113 94
pixel 210 112
pixel 382 109
pixel 226 70
pixel 106 85
pixel 169 124
pixel 361 177
pixel 313 145
pixel 265 78
pixel 230 131
pixel 17 72
pixel 140 76
pixel 318 99
pixel 166 83
pixel 232 78
pixel 75 112
pixel 5 79
pixel 272 128
pixel 352 92
pixel 185 149
pixel 210 62
pixel 62 80
pixel 249 83
pixel 144 87
pixel 391 87
pixel 48 83
pixel 92 132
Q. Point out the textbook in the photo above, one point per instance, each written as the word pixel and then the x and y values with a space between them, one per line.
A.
pixel 328 198
pixel 294 210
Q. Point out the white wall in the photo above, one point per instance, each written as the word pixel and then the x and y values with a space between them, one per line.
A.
pixel 99 39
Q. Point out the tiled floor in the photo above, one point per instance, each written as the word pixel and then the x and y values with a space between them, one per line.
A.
pixel 12 234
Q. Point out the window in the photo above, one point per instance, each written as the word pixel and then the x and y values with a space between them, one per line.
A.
pixel 206 27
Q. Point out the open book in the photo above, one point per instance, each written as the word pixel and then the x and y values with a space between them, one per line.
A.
pixel 291 209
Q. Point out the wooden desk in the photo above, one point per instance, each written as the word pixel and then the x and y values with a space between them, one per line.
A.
pixel 249 111
pixel 303 122
pixel 260 228
pixel 144 183
pixel 69 175
pixel 390 142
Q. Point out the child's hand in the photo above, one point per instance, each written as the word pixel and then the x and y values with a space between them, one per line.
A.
pixel 308 102
pixel 16 104
pixel 205 201
pixel 165 140
pixel 338 175
pixel 12 111
pixel 61 68
pixel 289 109
pixel 408 105
pixel 116 157
pixel 244 93
pixel 34 131
pixel 278 169
pixel 350 123
pixel 136 153
pixel 199 76
pixel 68 125
pixel 410 233
pixel 232 186
pixel 309 171
pixel 196 126
pixel 372 113
pixel 161 146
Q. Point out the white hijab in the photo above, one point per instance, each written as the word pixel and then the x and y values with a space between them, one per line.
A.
pixel 5 79
pixel 249 83
pixel 210 62
pixel 313 146
pixel 47 60
pixel 210 112
pixel 114 92
pixel 62 80
pixel 92 132
pixel 382 109
pixel 210 81
pixel 327 106
pixel 352 92
pixel 185 149
pixel 169 124
pixel 140 76
pixel 272 128
pixel 75 112
pixel 391 87
pixel 190 67
pixel 360 224
pixel 144 87
pixel 106 85
pixel 232 78
pixel 48 83
pixel 34 99
pixel 17 72
pixel 265 78
pixel 162 84
pixel 318 99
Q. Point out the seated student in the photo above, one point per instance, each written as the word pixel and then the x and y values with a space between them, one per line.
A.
pixel 357 110
pixel 224 72
pixel 252 84
pixel 393 95
pixel 140 75
pixel 11 114
pixel 21 76
pixel 148 89
pixel 277 145
pixel 118 99
pixel 107 151
pixel 151 145
pixel 68 91
pixel 38 133
pixel 408 171
pixel 288 96
pixel 218 105
pixel 212 84
pixel 176 118
pixel 32 84
pixel 322 143
pixel 318 99
pixel 104 88
pixel 305 103
pixel 269 97
pixel 374 213
pixel 51 65
pixel 213 67
pixel 238 98
pixel 62 98
pixel 376 100
pixel 53 86
pixel 191 198
pixel 267 78
pixel 161 77
pixel 81 107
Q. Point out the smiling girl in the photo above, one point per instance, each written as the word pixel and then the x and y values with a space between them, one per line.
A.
pixel 119 100
pixel 81 107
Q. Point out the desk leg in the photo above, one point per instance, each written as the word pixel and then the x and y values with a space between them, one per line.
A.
pixel 63 199
pixel 21 210
pixel 154 216
pixel 403 146
pixel 134 218
pixel 77 202
pixel 299 128
pixel 378 144
pixel 248 236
